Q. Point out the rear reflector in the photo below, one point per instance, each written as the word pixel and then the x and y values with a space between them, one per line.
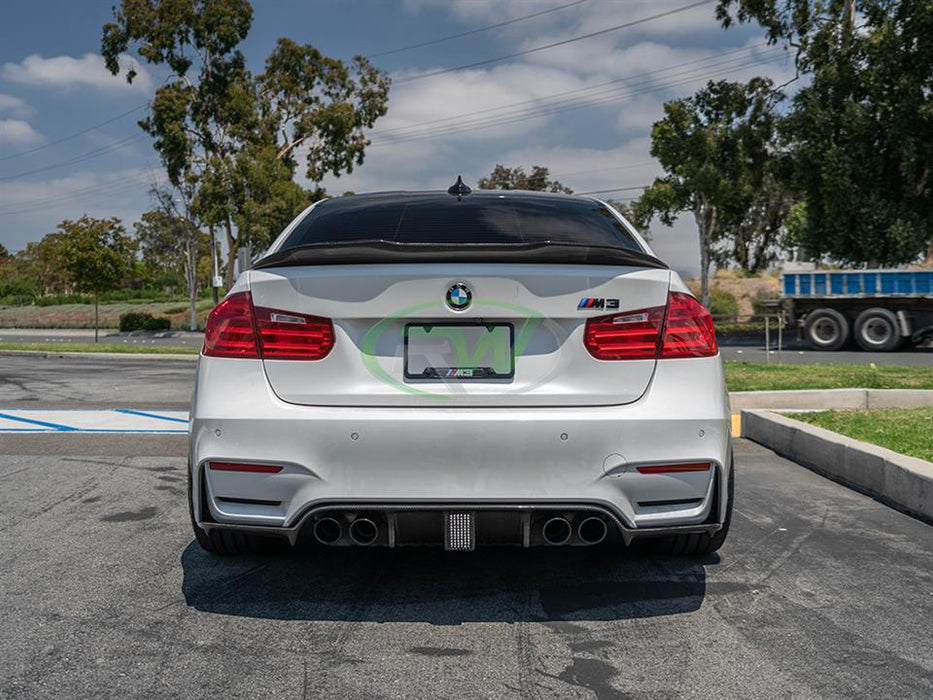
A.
pixel 237 329
pixel 674 468
pixel 243 467
pixel 683 328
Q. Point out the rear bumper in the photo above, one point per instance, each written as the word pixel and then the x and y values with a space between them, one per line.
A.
pixel 460 458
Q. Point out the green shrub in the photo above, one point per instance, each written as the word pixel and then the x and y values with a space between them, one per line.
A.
pixel 138 321
pixel 723 303
pixel 59 299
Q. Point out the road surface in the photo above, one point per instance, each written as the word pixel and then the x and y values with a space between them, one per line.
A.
pixel 819 591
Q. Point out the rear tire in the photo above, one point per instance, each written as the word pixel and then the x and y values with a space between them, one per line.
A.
pixel 827 329
pixel 228 542
pixel 700 543
pixel 877 330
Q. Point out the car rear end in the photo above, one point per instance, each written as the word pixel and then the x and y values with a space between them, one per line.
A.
pixel 504 368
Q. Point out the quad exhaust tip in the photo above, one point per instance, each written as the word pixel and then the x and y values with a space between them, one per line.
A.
pixel 556 531
pixel 327 530
pixel 592 530
pixel 363 531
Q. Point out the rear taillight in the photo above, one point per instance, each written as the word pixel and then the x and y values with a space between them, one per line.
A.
pixel 683 328
pixel 688 329
pixel 629 336
pixel 285 335
pixel 230 331
pixel 237 329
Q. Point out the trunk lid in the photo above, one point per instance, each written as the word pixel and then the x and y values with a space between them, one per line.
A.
pixel 370 306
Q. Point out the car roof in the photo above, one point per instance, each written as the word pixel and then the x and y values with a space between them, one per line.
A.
pixel 426 196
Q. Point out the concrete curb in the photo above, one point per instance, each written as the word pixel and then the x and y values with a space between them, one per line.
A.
pixel 890 477
pixel 189 357
pixel 810 399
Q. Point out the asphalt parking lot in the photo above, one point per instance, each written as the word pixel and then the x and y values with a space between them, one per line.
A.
pixel 819 592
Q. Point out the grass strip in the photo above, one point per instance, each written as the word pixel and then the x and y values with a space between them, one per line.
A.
pixel 758 376
pixel 103 347
pixel 904 430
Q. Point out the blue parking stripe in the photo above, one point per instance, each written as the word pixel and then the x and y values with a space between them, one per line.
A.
pixel 56 426
pixel 150 415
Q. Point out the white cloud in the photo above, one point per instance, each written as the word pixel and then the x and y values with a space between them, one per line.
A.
pixel 580 19
pixel 67 71
pixel 14 106
pixel 30 209
pixel 18 132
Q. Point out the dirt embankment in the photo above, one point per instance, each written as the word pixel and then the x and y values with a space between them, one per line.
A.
pixel 744 289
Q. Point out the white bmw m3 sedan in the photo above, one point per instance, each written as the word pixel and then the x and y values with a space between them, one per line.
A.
pixel 460 369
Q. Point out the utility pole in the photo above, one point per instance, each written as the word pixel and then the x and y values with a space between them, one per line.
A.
pixel 215 278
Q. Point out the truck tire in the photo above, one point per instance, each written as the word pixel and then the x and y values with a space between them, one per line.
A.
pixel 826 329
pixel 877 330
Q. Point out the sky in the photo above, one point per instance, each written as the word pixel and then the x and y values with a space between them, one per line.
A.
pixel 70 145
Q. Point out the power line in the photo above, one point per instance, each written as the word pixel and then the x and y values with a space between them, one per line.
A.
pixel 116 145
pixel 81 192
pixel 555 44
pixel 75 134
pixel 605 170
pixel 615 189
pixel 476 31
pixel 549 109
pixel 695 64
pixel 116 188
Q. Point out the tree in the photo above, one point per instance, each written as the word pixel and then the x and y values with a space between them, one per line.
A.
pixel 503 178
pixel 213 122
pixel 859 131
pixel 4 254
pixel 96 253
pixel 43 265
pixel 170 239
pixel 715 148
pixel 636 213
pixel 757 237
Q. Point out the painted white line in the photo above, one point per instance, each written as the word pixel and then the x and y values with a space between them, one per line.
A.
pixel 99 421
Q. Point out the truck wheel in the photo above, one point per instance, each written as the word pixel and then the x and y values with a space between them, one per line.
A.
pixel 826 329
pixel 877 330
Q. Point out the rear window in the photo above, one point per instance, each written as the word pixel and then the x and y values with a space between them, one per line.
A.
pixel 440 218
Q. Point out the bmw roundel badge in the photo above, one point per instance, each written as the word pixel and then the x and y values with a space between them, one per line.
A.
pixel 459 296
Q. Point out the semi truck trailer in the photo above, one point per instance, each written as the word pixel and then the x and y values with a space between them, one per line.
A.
pixel 881 310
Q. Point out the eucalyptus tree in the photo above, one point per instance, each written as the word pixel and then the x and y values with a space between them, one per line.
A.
pixel 860 130
pixel 503 178
pixel 231 135
pixel 716 149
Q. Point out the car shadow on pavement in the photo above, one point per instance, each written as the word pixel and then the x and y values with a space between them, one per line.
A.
pixel 437 587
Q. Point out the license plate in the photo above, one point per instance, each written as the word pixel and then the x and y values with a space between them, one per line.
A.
pixel 459 351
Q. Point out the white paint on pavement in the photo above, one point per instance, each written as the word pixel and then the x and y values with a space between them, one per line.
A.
pixel 114 420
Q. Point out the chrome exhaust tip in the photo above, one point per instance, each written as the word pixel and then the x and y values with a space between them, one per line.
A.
pixel 592 530
pixel 327 530
pixel 556 531
pixel 363 531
